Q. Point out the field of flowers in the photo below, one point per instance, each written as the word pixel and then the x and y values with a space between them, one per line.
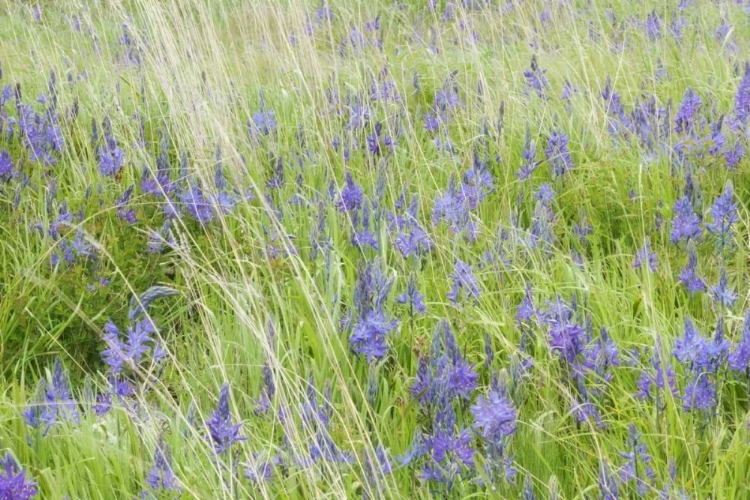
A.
pixel 374 249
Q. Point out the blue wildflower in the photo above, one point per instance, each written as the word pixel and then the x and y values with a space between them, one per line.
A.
pixel 660 377
pixel 722 295
pixel 6 165
pixel 13 482
pixel 222 432
pixel 558 153
pixel 350 198
pixel 739 359
pixel 685 115
pixel 110 155
pixel 412 297
pixel 535 79
pixel 700 392
pixel 494 416
pixel 688 275
pixel 528 157
pixel 686 224
pixel 637 467
pixel 742 101
pixel 724 213
pixel 463 279
pixel 196 204
pixel 653 26
pixel 646 255
pixel 161 476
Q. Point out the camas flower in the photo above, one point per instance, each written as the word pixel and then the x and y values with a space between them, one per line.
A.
pixel 161 476
pixel 646 255
pixel 368 335
pixel 637 467
pixel 724 214
pixel 350 198
pixel 692 348
pixel 742 101
pixel 658 378
pixel 196 204
pixel 685 115
pixel 13 482
pixel 721 294
pixel 700 392
pixel 688 275
pixel 222 432
pixel 652 26
pixel 558 154
pixel 463 279
pixel 739 359
pixel 494 416
pixel 412 297
pixel 686 224
pixel 535 79
pixel 528 157
pixel 110 155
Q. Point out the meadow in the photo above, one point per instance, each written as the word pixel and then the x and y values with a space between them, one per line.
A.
pixel 349 249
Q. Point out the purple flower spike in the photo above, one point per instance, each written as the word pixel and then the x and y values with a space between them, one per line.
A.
pixel 646 255
pixel 13 482
pixel 222 432
pixel 686 224
pixel 463 279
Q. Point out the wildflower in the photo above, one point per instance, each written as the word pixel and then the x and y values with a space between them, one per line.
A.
pixel 350 198
pixel 371 324
pixel 734 155
pixel 653 26
pixel 13 482
pixel 111 156
pixel 263 121
pixel 196 204
pixel 685 115
pixel 267 392
pixel 412 297
pixel 6 165
pixel 529 163
pixel 739 359
pixel 526 311
pixel 558 154
pixel 663 378
pixel 724 213
pixel 124 212
pixel 410 237
pixel 688 276
pixel 262 470
pixel 742 101
pixel 686 224
pixel 222 432
pixel 607 483
pixel 161 476
pixel 646 255
pixel 535 79
pixel 463 279
pixel 638 462
pixel 368 336
pixel 447 375
pixel 700 393
pixel 494 416
pixel 692 348
pixel 477 184
pixel 379 142
pixel 722 295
